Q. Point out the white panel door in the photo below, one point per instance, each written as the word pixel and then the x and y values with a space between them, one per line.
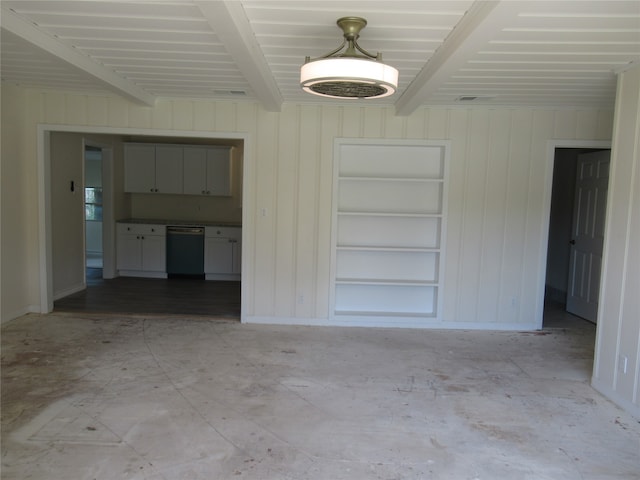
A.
pixel 587 234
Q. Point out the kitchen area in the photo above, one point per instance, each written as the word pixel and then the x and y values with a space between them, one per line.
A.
pixel 175 226
pixel 148 246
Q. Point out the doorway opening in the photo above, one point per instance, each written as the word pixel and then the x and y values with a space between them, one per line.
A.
pixel 576 234
pixel 93 190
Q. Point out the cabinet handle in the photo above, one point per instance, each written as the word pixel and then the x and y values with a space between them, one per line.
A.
pixel 203 192
pixel 153 229
pixel 151 189
pixel 208 192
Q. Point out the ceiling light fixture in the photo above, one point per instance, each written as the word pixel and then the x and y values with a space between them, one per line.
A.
pixel 349 75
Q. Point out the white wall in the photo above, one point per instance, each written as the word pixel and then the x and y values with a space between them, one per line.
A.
pixel 67 220
pixel 495 237
pixel 18 234
pixel 619 308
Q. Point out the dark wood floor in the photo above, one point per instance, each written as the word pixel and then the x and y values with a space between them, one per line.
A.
pixel 174 296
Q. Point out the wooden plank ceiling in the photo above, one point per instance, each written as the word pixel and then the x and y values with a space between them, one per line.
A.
pixel 538 53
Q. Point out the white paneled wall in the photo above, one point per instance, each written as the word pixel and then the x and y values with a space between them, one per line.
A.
pixel 617 365
pixel 496 193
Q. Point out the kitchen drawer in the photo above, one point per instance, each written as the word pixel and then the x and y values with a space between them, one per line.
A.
pixel 141 229
pixel 223 232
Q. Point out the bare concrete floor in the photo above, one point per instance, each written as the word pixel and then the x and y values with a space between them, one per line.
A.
pixel 118 397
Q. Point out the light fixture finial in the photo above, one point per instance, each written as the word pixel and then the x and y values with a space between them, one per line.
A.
pixel 352 74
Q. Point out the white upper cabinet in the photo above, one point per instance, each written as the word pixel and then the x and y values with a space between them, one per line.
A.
pixel 207 171
pixel 169 168
pixel 150 168
pixel 139 168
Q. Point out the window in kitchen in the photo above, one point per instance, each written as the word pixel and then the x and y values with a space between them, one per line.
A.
pixel 93 203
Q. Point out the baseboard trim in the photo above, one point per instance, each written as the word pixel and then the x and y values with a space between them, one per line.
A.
pixel 69 291
pixel 8 317
pixel 373 322
pixel 616 398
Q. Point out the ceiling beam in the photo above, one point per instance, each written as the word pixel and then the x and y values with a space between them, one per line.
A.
pixel 30 33
pixel 477 27
pixel 230 23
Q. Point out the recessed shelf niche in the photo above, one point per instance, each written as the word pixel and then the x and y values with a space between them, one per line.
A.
pixel 388 226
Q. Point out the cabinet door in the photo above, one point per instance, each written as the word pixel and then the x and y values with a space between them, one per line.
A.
pixel 139 168
pixel 219 171
pixel 195 168
pixel 129 255
pixel 218 255
pixel 169 169
pixel 154 253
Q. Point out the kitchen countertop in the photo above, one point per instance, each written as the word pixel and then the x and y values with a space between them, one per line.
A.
pixel 190 223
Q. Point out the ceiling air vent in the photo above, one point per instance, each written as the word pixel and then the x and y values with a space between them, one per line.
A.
pixel 472 98
pixel 235 93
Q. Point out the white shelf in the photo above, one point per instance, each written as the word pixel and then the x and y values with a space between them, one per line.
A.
pixel 392 179
pixel 368 248
pixel 388 214
pixel 376 281
pixel 360 313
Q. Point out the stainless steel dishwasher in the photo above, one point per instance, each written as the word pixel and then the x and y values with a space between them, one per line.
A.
pixel 185 251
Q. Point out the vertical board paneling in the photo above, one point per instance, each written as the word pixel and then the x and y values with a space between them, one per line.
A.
pixel 182 115
pixel 265 237
pixel 394 126
pixel 373 123
pixel 307 211
pixel 55 108
pixel 605 125
pixel 564 122
pixel 203 116
pixel 474 198
pixel 225 117
pixel 351 122
pixel 494 215
pixel 118 112
pixel 139 116
pixel 515 215
pixel 329 128
pixel 586 124
pixel 437 124
pixel 76 109
pixel 162 115
pixel 416 124
pixel 457 129
pixel 286 208
pixel 97 111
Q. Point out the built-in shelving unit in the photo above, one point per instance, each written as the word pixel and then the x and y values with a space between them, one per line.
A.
pixel 388 225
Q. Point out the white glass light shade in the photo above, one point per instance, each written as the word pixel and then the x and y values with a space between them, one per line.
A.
pixel 349 72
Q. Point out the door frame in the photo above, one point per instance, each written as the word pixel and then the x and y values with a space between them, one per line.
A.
pixel 45 241
pixel 552 145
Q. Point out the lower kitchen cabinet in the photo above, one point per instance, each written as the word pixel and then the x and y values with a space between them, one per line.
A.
pixel 222 253
pixel 141 250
